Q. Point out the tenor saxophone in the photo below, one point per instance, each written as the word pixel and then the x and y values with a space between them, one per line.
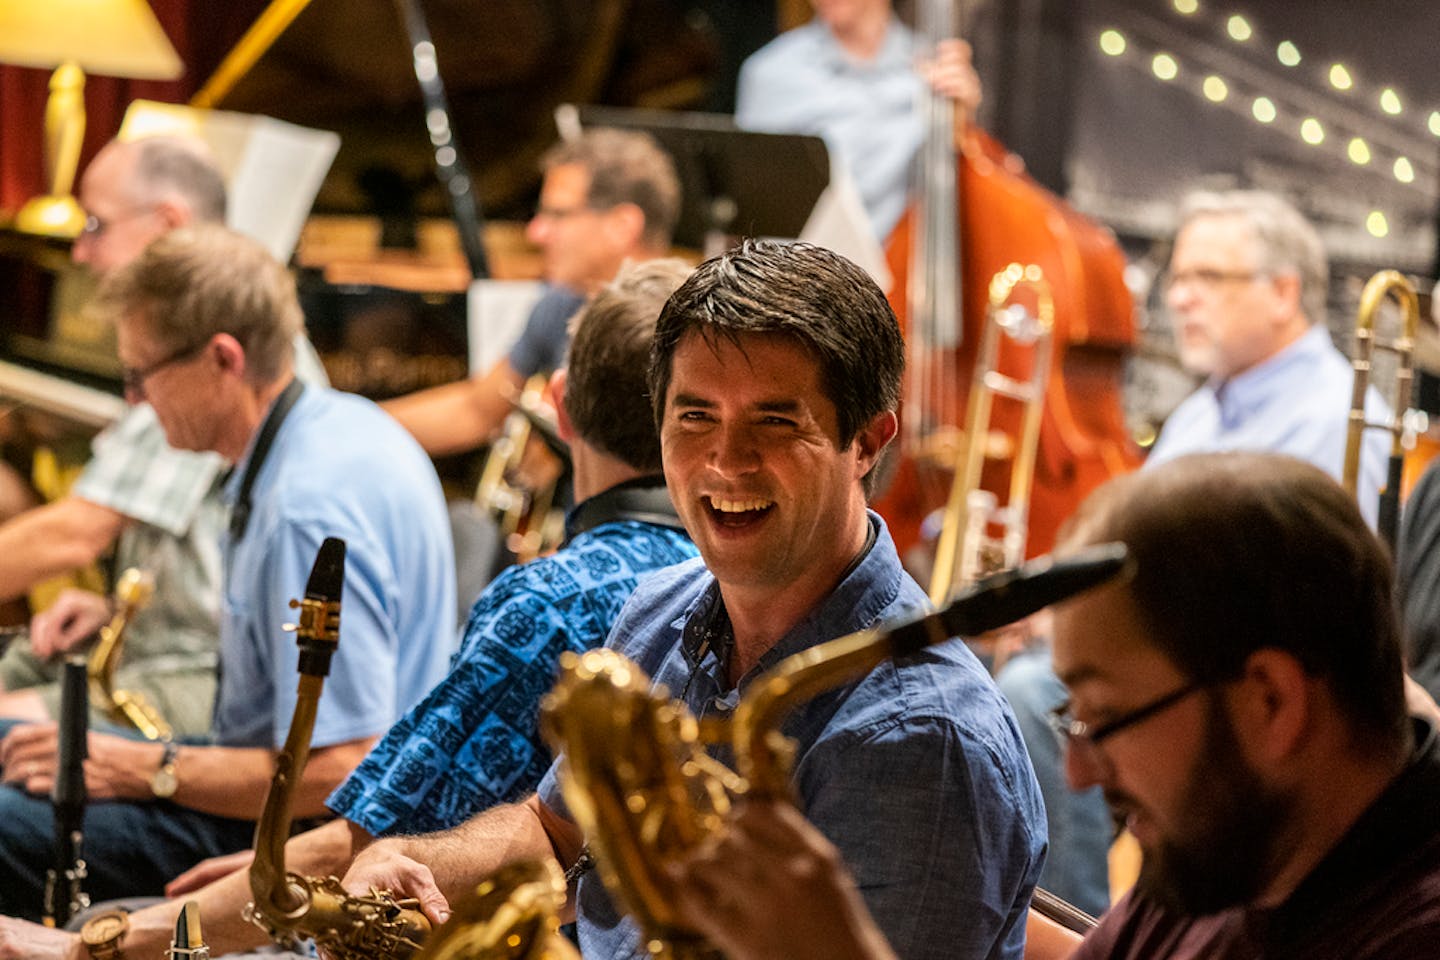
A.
pixel 132 592
pixel 512 915
pixel 634 770
pixel 287 906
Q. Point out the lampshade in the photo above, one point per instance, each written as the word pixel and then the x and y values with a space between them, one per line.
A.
pixel 119 38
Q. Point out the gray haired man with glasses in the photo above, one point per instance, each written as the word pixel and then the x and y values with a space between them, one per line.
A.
pixel 157 507
pixel 1245 291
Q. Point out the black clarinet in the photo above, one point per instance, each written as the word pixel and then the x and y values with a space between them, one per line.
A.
pixel 65 880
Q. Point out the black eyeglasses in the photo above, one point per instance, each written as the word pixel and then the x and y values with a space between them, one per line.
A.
pixel 1070 730
pixel 134 377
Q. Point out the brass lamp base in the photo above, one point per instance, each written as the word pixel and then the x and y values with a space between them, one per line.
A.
pixel 51 216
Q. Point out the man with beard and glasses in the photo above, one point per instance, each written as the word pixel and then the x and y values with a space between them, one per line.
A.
pixel 1239 700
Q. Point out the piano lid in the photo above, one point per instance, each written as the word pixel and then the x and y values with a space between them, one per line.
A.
pixel 345 65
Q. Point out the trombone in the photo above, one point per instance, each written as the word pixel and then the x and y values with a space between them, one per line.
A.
pixel 1387 284
pixel 966 551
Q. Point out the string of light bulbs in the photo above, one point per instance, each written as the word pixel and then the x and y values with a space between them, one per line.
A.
pixel 1216 74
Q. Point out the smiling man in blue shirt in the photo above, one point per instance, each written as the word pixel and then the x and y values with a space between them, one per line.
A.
pixel 775 378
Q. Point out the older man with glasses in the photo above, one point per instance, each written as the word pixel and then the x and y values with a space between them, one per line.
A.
pixel 159 508
pixel 1246 294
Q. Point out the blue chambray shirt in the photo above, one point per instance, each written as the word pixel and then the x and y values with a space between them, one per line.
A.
pixel 1297 403
pixel 916 772
pixel 803 81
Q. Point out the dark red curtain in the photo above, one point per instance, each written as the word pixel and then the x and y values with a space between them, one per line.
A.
pixel 22 106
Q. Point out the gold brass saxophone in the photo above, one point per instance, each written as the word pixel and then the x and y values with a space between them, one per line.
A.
pixel 1384 285
pixel 132 592
pixel 512 915
pixel 289 907
pixel 634 770
pixel 531 522
pixel 966 551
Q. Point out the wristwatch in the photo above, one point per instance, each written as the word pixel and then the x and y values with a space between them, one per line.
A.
pixel 162 781
pixel 104 934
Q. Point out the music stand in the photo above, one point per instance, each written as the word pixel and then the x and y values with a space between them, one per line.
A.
pixel 733 182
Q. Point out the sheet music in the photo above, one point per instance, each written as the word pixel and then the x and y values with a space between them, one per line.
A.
pixel 272 169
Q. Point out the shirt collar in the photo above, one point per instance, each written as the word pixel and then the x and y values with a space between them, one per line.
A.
pixel 863 594
pixel 644 499
pixel 896 48
pixel 1245 392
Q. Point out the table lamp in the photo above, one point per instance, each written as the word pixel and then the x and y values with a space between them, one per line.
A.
pixel 119 38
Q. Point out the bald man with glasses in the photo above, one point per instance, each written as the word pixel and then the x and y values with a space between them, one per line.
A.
pixel 157 508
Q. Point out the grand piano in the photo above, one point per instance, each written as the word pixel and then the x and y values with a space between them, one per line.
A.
pixel 381 265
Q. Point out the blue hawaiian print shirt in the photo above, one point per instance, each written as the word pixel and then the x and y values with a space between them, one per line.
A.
pixel 474 742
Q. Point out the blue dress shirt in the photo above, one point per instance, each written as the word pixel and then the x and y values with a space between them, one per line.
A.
pixel 1296 403
pixel 916 772
pixel 804 82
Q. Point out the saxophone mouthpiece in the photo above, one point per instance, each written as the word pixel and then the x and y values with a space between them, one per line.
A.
pixel 327 576
pixel 188 944
pixel 319 629
pixel 1015 594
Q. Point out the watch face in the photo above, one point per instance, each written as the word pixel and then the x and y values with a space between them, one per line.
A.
pixel 163 784
pixel 104 928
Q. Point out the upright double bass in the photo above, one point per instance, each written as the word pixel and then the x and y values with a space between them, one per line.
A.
pixel 974 211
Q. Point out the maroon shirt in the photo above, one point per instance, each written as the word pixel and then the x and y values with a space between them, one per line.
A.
pixel 1375 896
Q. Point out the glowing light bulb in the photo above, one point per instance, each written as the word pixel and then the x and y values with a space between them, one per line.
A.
pixel 1112 42
pixel 1164 66
pixel 1186 7
pixel 1376 224
pixel 1404 172
pixel 1358 151
pixel 1340 77
pixel 1390 101
pixel 1215 89
pixel 1435 122
pixel 1312 132
pixel 1263 110
pixel 1239 28
pixel 1288 54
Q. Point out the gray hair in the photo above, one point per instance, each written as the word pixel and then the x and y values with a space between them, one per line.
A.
pixel 1287 242
pixel 171 165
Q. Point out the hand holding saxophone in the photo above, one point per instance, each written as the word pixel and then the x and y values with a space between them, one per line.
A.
pixel 68 623
pixel 382 866
pixel 771 886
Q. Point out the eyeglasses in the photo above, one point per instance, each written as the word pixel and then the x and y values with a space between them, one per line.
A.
pixel 1073 731
pixel 134 378
pixel 564 213
pixel 94 226
pixel 1207 279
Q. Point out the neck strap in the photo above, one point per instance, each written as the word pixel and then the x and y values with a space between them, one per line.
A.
pixel 240 512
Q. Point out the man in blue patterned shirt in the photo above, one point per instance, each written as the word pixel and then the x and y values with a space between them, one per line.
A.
pixel 472 741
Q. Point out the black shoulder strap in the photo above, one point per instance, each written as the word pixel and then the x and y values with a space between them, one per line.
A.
pixel 240 513
pixel 644 499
